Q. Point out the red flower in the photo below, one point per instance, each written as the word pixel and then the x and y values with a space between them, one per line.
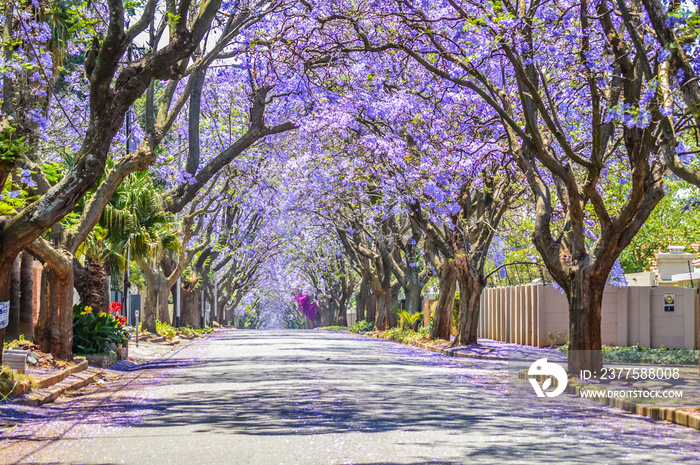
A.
pixel 115 307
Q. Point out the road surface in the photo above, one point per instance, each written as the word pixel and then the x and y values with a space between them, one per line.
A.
pixel 313 397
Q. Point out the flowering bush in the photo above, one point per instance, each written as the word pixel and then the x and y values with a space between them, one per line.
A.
pixel 115 309
pixel 307 306
pixel 92 333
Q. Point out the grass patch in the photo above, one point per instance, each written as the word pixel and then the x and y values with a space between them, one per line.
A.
pixel 639 354
pixel 10 379
pixel 334 328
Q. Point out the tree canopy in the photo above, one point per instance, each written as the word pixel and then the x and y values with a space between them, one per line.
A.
pixel 254 154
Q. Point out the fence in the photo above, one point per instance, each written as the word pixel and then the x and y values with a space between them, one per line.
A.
pixel 538 315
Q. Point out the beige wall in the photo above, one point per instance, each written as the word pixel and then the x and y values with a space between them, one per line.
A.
pixel 535 314
pixel 351 315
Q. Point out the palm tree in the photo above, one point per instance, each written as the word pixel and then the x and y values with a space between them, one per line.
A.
pixel 138 223
pixel 133 221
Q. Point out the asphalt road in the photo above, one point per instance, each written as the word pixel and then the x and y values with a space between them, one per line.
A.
pixel 311 397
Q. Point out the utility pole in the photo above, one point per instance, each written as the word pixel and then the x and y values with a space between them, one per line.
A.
pixel 127 283
pixel 178 304
pixel 201 308
pixel 215 310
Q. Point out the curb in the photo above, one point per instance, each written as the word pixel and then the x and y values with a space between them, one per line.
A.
pixel 44 396
pixel 70 379
pixel 61 375
pixel 682 416
pixel 446 352
pixel 24 388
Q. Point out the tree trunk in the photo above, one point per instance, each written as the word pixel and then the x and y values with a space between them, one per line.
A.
pixel 585 301
pixel 470 287
pixel 319 318
pixel 189 310
pixel 150 309
pixel 342 318
pixel 54 331
pixel 26 305
pixel 371 313
pixel 6 263
pixel 331 310
pixel 150 304
pixel 413 291
pixel 220 307
pixel 442 320
pixel 94 287
pixel 361 301
pixel 13 324
pixel 164 302
pixel 380 323
pixel 323 311
pixel 212 310
pixel 155 305
pixel 386 318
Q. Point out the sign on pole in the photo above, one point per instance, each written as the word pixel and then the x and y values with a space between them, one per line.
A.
pixel 4 314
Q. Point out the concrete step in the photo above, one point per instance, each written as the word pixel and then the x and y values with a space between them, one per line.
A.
pixel 45 382
pixel 49 394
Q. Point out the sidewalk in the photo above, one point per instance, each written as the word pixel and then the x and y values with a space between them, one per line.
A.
pixel 487 349
pixel 55 381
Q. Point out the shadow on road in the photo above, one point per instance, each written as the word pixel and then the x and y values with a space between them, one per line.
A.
pixel 260 384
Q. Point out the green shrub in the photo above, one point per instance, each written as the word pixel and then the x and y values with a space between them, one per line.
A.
pixel 92 333
pixel 426 330
pixel 12 147
pixel 403 335
pixel 639 354
pixel 187 330
pixel 164 329
pixel 408 320
pixel 362 326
